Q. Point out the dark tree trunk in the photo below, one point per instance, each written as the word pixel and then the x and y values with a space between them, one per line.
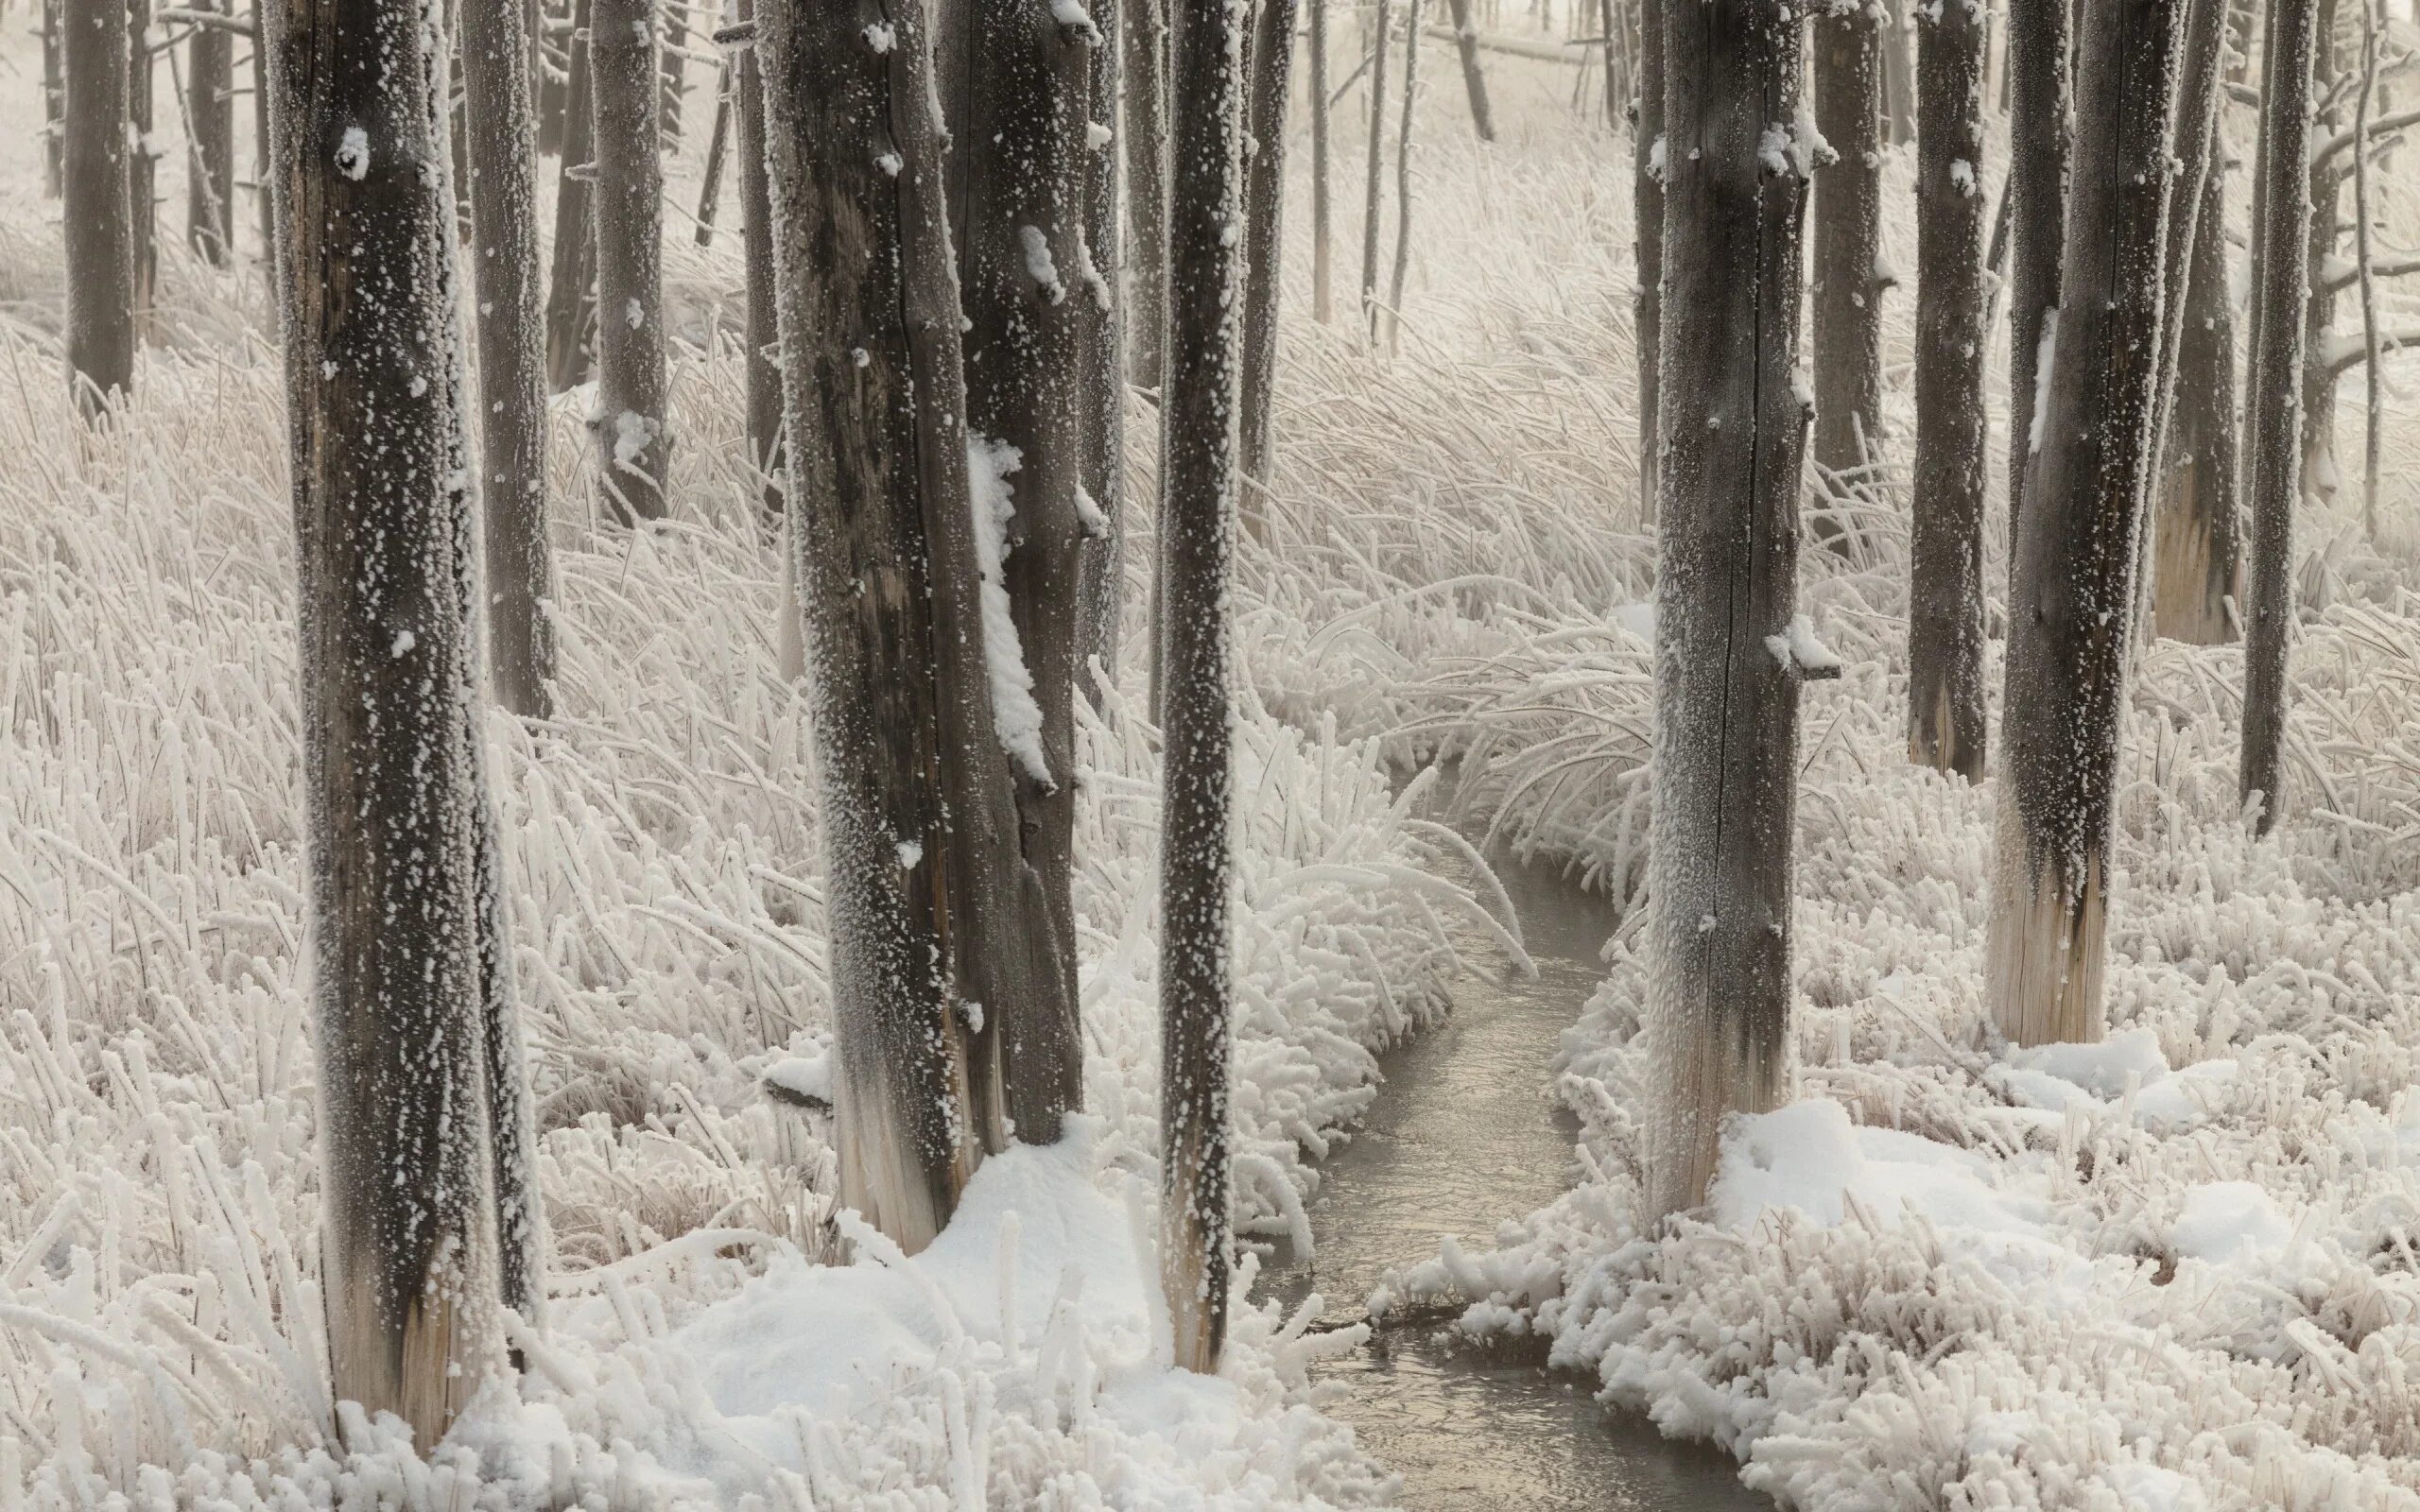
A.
pixel 674 20
pixel 920 829
pixel 1370 225
pixel 2038 196
pixel 264 173
pixel 718 147
pixel 1899 88
pixel 99 230
pixel 1147 189
pixel 1647 198
pixel 1272 67
pixel 2196 562
pixel 389 767
pixel 2072 601
pixel 764 336
pixel 1403 175
pixel 210 177
pixel 2273 392
pixel 1946 570
pixel 1101 358
pixel 1475 82
pixel 142 168
pixel 568 307
pixel 499 140
pixel 1322 215
pixel 1848 248
pixel 630 424
pixel 1728 663
pixel 54 102
pixel 1197 483
pixel 2327 182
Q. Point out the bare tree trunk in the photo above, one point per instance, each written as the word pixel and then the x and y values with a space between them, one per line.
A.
pixel 142 167
pixel 2273 392
pixel 764 336
pixel 1322 306
pixel 2196 561
pixel 2373 409
pixel 2320 474
pixel 1899 86
pixel 2037 192
pixel 1146 190
pixel 574 269
pixel 1474 82
pixel 264 172
pixel 1198 484
pixel 2072 600
pixel 1731 650
pixel 512 427
pixel 555 24
pixel 1371 227
pixel 1102 375
pixel 1403 176
pixel 373 385
pixel 717 146
pixel 210 176
pixel 1272 60
pixel 674 24
pixel 99 234
pixel 1946 570
pixel 1647 198
pixel 54 102
pixel 1847 255
pixel 632 423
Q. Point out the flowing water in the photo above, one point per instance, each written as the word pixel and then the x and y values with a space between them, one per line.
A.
pixel 1461 1136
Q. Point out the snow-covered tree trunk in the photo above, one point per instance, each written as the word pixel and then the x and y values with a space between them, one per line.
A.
pixel 1474 82
pixel 1198 482
pixel 54 101
pixel 2038 196
pixel 632 423
pixel 100 234
pixel 2274 392
pixel 1403 175
pixel 756 243
pixel 2071 600
pixel 1322 215
pixel 1846 261
pixel 1730 651
pixel 1145 57
pixel 1272 69
pixel 2197 550
pixel 1647 199
pixel 1101 360
pixel 1945 570
pixel 209 171
pixel 142 165
pixel 389 767
pixel 1371 227
pixel 573 270
pixel 501 147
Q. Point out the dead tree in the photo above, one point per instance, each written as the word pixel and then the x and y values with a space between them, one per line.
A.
pixel 632 423
pixel 2329 173
pixel 717 150
pixel 764 335
pixel 54 101
pixel 2036 195
pixel 2197 549
pixel 1403 176
pixel 1272 67
pixel 1647 199
pixel 1731 651
pixel 142 166
pixel 1101 369
pixel 500 143
pixel 1946 569
pixel 1849 279
pixel 574 267
pixel 97 213
pixel 210 117
pixel 2072 598
pixel 2274 392
pixel 1322 307
pixel 1145 64
pixel 1197 483
pixel 389 768
pixel 1474 82
pixel 1372 227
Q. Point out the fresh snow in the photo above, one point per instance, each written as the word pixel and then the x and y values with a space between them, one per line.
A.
pixel 1017 717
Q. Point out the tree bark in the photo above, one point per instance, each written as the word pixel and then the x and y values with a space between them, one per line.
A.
pixel 1273 60
pixel 555 23
pixel 632 423
pixel 2071 603
pixel 1847 255
pixel 1403 176
pixel 674 27
pixel 1727 668
pixel 1647 199
pixel 54 101
pixel 2196 562
pixel 1474 82
pixel 1198 482
pixel 2038 196
pixel 2273 393
pixel 574 267
pixel 764 335
pixel 2327 179
pixel 1146 190
pixel 374 380
pixel 210 178
pixel 1372 227
pixel 717 146
pixel 142 168
pixel 98 213
pixel 1899 87
pixel 1101 357
pixel 500 143
pixel 1323 298
pixel 1946 570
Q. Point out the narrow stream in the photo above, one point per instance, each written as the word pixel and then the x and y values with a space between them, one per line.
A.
pixel 1460 1138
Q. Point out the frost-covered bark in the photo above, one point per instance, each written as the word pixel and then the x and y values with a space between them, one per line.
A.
pixel 1371 226
pixel 1272 67
pixel 574 267
pixel 1647 199
pixel 500 141
pixel 764 335
pixel 916 812
pixel 2273 391
pixel 1727 663
pixel 632 423
pixel 2037 198
pixel 210 168
pixel 1946 569
pixel 99 237
pixel 2197 550
pixel 1145 55
pixel 1846 260
pixel 2071 600
pixel 1198 482
pixel 1322 215
pixel 1474 82
pixel 389 770
pixel 1102 353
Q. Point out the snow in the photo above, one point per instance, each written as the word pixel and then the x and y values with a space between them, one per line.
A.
pixel 1017 717
pixel 1961 177
pixel 2043 363
pixel 1798 650
pixel 881 36
pixel 808 1076
pixel 1040 267
pixel 353 153
pixel 1088 515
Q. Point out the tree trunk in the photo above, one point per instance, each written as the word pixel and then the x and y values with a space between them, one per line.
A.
pixel 1198 482
pixel 631 423
pixel 2196 562
pixel 1728 663
pixel 1647 198
pixel 717 146
pixel 142 168
pixel 1372 227
pixel 1945 570
pixel 1101 376
pixel 919 825
pixel 210 174
pixel 1403 176
pixel 1146 190
pixel 1475 82
pixel 1847 257
pixel 499 140
pixel 390 770
pixel 674 20
pixel 2327 179
pixel 2273 393
pixel 1273 57
pixel 764 336
pixel 574 269
pixel 555 22
pixel 1899 87
pixel 99 230
pixel 2038 194
pixel 1323 299
pixel 2071 603
pixel 54 102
